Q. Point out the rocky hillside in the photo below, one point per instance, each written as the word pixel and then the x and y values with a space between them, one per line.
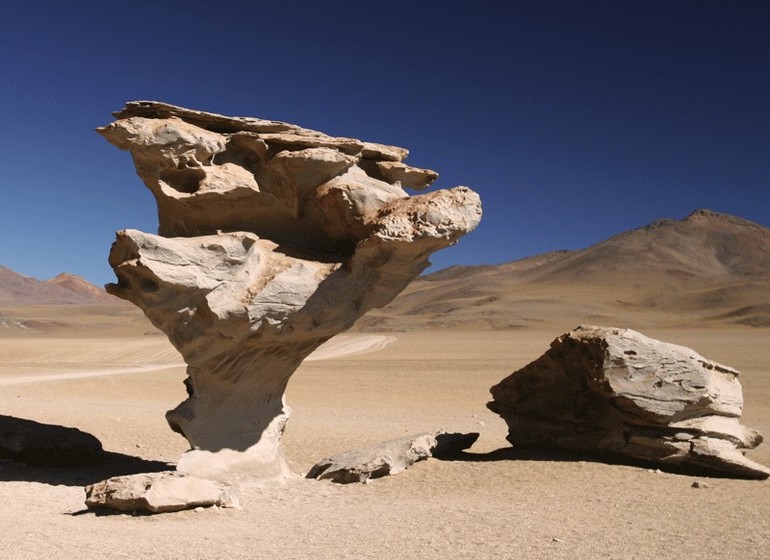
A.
pixel 708 267
pixel 18 289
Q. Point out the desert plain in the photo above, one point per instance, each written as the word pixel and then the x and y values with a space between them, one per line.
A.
pixel 105 370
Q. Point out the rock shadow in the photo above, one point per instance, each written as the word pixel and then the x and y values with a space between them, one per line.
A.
pixel 114 464
pixel 514 454
pixel 556 455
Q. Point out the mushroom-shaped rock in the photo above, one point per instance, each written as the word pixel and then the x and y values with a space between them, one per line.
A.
pixel 616 392
pixel 272 240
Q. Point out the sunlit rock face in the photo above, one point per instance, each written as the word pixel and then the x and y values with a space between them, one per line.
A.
pixel 272 239
pixel 617 393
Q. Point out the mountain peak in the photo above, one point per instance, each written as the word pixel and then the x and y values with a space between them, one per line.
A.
pixel 18 289
pixel 704 215
pixel 708 266
pixel 64 276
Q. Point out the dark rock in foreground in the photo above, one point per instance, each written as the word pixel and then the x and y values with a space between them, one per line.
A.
pixel 615 392
pixel 50 445
pixel 390 457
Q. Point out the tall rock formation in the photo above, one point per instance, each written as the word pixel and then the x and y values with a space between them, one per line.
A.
pixel 615 392
pixel 272 239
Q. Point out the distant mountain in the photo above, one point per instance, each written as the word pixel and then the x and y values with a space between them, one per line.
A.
pixel 704 270
pixel 18 289
pixel 708 267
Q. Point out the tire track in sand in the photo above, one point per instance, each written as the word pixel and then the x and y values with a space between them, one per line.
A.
pixel 337 347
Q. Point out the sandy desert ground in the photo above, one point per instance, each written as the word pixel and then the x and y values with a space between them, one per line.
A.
pixel 491 503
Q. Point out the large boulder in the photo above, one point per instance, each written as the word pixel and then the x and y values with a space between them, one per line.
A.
pixel 273 239
pixel 50 445
pixel 616 392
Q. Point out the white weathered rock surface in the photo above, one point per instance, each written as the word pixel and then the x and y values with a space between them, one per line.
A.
pixel 390 457
pixel 617 392
pixel 273 238
pixel 291 185
pixel 158 493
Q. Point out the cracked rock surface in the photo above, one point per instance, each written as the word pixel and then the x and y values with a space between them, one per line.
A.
pixel 616 392
pixel 272 239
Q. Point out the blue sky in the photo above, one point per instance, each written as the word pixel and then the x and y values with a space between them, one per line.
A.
pixel 573 120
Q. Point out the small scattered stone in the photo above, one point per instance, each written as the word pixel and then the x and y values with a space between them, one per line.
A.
pixel 699 484
pixel 390 457
pixel 158 493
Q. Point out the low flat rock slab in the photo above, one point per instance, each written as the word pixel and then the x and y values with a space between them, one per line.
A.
pixel 390 457
pixel 157 493
pixel 47 445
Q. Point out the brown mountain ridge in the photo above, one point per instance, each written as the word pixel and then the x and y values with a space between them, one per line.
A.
pixel 62 306
pixel 18 289
pixel 706 268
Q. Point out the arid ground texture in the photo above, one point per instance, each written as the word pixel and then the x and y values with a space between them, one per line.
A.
pixel 425 362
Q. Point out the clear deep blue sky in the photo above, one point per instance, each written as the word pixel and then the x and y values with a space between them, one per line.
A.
pixel 574 120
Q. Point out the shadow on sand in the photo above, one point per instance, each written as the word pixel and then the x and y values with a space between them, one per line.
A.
pixel 556 455
pixel 511 454
pixel 114 464
pixel 32 451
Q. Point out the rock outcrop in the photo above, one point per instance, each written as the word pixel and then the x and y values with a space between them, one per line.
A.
pixel 273 238
pixel 49 445
pixel 158 493
pixel 389 458
pixel 616 392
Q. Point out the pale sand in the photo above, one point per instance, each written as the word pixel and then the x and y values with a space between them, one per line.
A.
pixel 156 358
pixel 489 506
